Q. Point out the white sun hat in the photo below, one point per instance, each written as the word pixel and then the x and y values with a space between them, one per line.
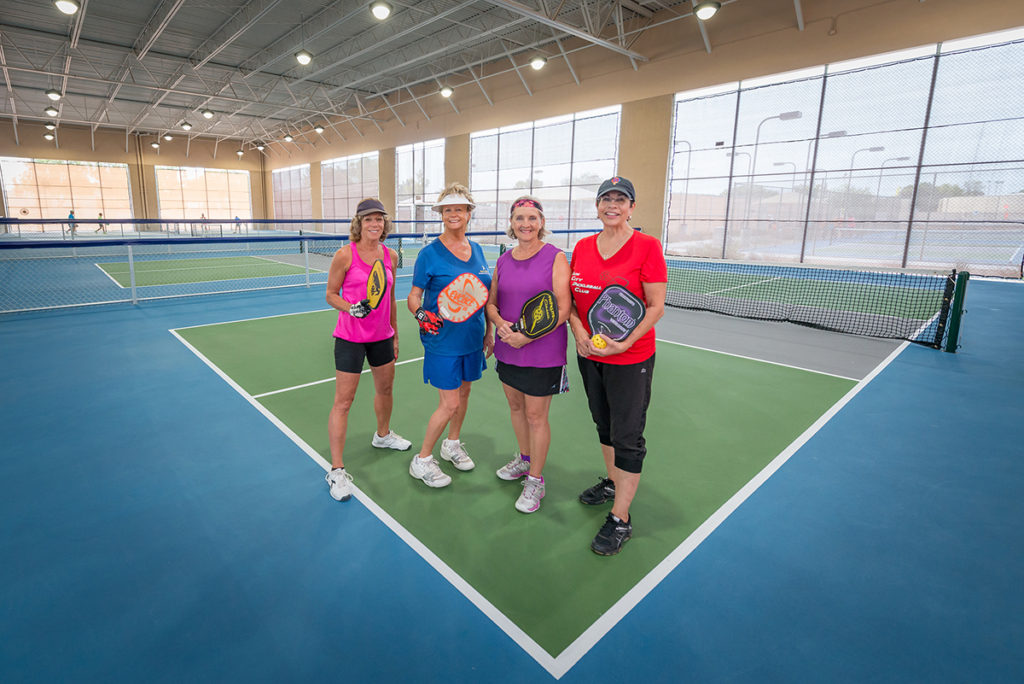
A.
pixel 453 199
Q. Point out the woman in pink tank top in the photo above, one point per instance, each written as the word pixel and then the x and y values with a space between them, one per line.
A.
pixel 362 333
pixel 531 371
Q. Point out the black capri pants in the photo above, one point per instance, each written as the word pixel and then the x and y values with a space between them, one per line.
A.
pixel 618 397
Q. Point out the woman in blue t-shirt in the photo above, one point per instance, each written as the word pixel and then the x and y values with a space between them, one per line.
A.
pixel 450 272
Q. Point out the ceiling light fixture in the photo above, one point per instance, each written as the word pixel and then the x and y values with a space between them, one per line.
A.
pixel 53 94
pixel 381 10
pixel 239 153
pixel 538 62
pixel 260 146
pixel 50 126
pixel 207 114
pixel 67 6
pixel 186 126
pixel 705 9
pixel 318 128
pixel 167 137
pixel 48 136
pixel 303 57
pixel 155 145
pixel 51 111
pixel 446 91
pixel 288 138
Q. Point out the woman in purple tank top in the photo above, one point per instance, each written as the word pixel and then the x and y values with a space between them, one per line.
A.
pixel 531 371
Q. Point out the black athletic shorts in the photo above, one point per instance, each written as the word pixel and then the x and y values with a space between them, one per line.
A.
pixel 618 396
pixel 348 356
pixel 536 382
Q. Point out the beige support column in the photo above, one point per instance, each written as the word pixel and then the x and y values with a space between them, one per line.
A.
pixel 456 160
pixel 316 193
pixel 645 142
pixel 386 179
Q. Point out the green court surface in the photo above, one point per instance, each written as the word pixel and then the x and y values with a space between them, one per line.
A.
pixel 179 271
pixel 715 421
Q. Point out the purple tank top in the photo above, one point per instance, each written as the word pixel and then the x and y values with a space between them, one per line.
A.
pixel 517 282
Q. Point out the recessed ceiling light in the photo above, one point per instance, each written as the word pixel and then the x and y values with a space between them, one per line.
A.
pixel 67 6
pixel 48 136
pixel 53 94
pixel 51 111
pixel 186 126
pixel 538 62
pixel 446 91
pixel 381 10
pixel 303 57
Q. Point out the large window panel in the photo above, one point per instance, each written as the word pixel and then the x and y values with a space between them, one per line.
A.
pixel 561 160
pixel 344 183
pixel 293 198
pixel 49 189
pixel 187 193
pixel 419 179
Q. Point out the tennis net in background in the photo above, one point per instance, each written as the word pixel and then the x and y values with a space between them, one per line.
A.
pixel 896 304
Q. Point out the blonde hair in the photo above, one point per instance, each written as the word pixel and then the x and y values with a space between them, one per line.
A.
pixel 536 205
pixel 355 231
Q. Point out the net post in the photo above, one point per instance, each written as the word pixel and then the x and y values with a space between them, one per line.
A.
pixel 959 292
pixel 305 258
pixel 131 274
pixel 401 253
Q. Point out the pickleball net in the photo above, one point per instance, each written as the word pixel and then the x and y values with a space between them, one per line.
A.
pixel 905 305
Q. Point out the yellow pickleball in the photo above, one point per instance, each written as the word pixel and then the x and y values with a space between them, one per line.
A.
pixel 598 342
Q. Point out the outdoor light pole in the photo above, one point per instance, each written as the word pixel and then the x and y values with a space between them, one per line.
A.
pixel 686 184
pixel 849 176
pixel 881 172
pixel 784 116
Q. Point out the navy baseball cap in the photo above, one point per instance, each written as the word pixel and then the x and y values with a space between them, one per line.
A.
pixel 619 183
pixel 370 205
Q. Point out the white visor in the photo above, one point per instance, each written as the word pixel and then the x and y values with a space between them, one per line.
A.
pixel 453 199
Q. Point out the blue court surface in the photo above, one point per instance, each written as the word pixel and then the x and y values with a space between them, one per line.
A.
pixel 158 528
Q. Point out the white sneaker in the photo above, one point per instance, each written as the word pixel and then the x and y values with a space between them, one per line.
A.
pixel 514 469
pixel 533 492
pixel 429 471
pixel 452 450
pixel 341 484
pixel 390 441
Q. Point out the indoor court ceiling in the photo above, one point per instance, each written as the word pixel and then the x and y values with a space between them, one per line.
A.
pixel 147 66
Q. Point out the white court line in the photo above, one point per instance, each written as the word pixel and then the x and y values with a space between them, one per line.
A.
pixel 740 287
pixel 754 358
pixel 284 263
pixel 561 664
pixel 325 380
pixel 611 617
pixel 521 638
pixel 112 278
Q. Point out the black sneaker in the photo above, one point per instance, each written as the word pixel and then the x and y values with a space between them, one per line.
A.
pixel 614 533
pixel 603 491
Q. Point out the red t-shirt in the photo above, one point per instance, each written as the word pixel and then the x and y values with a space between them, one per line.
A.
pixel 638 261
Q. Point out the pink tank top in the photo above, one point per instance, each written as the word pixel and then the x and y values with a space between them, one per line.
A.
pixel 377 325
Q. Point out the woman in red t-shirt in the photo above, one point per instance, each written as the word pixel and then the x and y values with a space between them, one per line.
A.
pixel 617 376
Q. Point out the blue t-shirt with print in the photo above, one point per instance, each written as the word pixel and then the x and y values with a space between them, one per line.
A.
pixel 435 268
